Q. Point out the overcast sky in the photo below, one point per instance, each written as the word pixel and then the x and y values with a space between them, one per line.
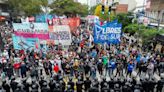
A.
pixel 140 2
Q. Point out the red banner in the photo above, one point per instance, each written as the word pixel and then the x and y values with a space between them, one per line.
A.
pixel 33 35
pixel 72 22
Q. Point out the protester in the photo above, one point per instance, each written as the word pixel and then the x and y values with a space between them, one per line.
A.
pixel 80 67
pixel 130 68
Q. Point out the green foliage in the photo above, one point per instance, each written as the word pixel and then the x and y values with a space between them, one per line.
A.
pixel 59 7
pixel 145 33
pixel 92 10
pixel 112 16
pixel 29 7
pixel 132 29
pixel 68 8
pixel 148 35
pixel 161 31
pixel 123 18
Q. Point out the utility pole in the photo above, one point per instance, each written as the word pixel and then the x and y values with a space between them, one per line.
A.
pixel 158 23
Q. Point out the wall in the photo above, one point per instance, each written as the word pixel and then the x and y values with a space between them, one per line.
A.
pixel 131 4
pixel 156 10
pixel 122 8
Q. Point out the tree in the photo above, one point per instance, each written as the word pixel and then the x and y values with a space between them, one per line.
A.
pixel 132 29
pixel 148 35
pixel 124 19
pixel 28 7
pixel 68 8
pixel 92 10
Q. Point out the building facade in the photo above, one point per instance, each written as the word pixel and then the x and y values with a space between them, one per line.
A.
pixel 156 10
pixel 123 5
pixel 90 3
pixel 4 10
pixel 130 3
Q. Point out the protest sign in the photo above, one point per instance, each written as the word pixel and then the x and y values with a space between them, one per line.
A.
pixel 61 34
pixel 31 27
pixel 67 21
pixel 109 33
pixel 31 30
pixel 98 36
pixel 72 22
pixel 44 36
pixel 92 19
pixel 25 43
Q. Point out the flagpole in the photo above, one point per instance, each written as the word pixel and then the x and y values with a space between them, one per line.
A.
pixel 105 46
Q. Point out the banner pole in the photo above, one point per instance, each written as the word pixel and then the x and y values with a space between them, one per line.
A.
pixel 81 35
pixel 105 46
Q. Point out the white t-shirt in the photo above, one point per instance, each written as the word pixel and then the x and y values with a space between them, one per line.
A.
pixel 5 53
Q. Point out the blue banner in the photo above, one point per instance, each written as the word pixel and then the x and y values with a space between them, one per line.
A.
pixel 109 33
pixel 43 18
pixel 99 37
pixel 25 43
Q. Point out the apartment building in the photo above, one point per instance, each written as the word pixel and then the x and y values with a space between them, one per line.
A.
pixel 155 9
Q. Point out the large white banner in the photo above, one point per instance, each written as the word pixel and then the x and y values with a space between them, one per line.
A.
pixel 31 30
pixel 31 27
pixel 61 34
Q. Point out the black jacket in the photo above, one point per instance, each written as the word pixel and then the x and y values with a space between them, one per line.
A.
pixel 45 89
pixel 93 89
pixel 6 87
pixel 79 85
pixel 71 84
pixel 87 84
pixel 13 85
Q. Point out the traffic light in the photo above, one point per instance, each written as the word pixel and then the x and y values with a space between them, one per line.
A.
pixel 103 9
pixel 110 9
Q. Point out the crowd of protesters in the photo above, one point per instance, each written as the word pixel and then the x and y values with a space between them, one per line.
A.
pixel 77 69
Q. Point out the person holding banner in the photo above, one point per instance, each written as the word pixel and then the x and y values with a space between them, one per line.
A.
pixel 79 56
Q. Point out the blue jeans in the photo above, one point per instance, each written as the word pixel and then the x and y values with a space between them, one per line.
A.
pixel 110 71
pixel 93 74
